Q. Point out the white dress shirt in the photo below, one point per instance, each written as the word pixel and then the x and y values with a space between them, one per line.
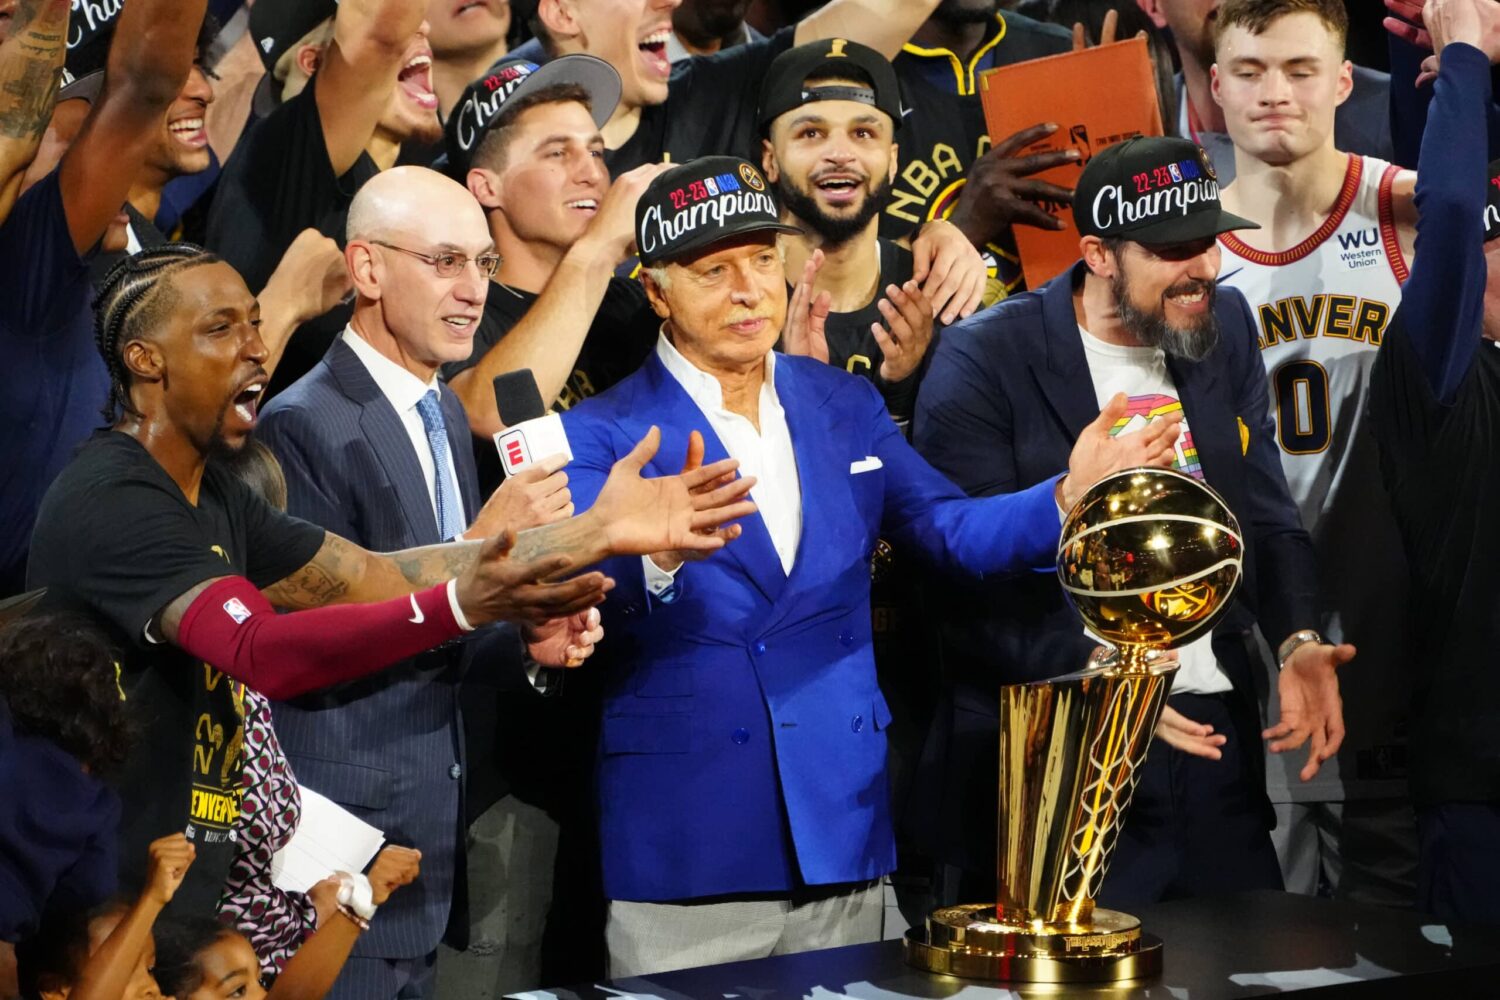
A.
pixel 403 389
pixel 767 455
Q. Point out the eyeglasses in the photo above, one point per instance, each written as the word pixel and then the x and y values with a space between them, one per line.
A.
pixel 449 264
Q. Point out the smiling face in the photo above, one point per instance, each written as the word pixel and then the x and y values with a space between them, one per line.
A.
pixel 725 309
pixel 1280 88
pixel 411 115
pixel 630 35
pixel 550 176
pixel 183 147
pixel 201 361
pixel 462 27
pixel 429 319
pixel 832 163
pixel 1165 294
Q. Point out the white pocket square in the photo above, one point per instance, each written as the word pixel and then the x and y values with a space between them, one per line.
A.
pixel 867 464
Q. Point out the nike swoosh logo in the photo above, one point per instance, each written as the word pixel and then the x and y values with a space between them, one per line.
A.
pixel 1226 277
pixel 417 617
pixel 907 111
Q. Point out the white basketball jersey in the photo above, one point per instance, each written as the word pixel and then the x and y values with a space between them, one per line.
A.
pixel 1321 310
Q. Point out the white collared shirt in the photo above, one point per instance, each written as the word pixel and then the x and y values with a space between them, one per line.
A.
pixel 402 390
pixel 766 455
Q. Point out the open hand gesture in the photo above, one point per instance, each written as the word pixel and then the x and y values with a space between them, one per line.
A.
pixel 807 315
pixel 1098 453
pixel 684 512
pixel 497 587
pixel 907 332
pixel 1311 709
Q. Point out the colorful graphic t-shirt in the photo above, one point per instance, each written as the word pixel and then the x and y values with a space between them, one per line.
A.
pixel 1141 373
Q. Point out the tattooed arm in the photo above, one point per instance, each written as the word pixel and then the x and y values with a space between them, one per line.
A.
pixel 31 61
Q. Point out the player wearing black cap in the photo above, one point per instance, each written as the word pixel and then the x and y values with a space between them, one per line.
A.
pixel 1435 408
pixel 526 140
pixel 744 689
pixel 299 167
pixel 1139 320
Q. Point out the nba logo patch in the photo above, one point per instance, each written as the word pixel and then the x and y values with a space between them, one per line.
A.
pixel 236 609
pixel 713 187
pixel 1176 171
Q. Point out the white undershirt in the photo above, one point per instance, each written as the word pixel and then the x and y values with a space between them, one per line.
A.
pixel 767 455
pixel 1141 373
pixel 402 390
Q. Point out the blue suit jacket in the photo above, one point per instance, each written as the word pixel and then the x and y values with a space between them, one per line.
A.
pixel 743 744
pixel 1005 399
pixel 389 748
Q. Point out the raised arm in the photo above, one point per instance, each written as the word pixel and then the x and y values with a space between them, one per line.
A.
pixel 883 25
pixel 1443 302
pixel 149 61
pixel 548 338
pixel 31 60
pixel 358 74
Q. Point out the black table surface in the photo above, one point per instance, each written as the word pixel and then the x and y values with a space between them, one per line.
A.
pixel 1244 945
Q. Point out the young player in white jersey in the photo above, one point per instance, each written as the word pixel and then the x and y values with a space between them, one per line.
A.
pixel 1322 278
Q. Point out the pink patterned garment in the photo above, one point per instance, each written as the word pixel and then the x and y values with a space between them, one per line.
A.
pixel 275 921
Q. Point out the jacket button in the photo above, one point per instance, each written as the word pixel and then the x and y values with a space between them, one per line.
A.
pixel 846 638
pixel 760 649
pixel 857 723
pixel 628 610
pixel 740 736
pixel 455 772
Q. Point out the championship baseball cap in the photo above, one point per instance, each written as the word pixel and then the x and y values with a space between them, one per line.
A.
pixel 1492 203
pixel 512 79
pixel 277 25
pixel 1152 189
pixel 785 86
pixel 701 202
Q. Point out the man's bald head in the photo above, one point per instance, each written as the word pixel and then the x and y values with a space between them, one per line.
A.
pixel 410 200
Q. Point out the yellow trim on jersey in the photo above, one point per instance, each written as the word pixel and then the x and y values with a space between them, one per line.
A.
pixel 963 77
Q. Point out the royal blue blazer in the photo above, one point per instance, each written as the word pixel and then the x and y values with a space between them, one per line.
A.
pixel 743 745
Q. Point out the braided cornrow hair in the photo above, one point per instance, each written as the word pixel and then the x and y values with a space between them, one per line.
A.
pixel 124 295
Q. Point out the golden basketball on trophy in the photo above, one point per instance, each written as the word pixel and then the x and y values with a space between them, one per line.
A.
pixel 1150 558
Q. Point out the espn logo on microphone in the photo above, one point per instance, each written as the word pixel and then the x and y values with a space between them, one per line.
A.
pixel 523 445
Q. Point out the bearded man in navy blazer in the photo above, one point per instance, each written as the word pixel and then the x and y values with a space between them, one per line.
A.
pixel 742 778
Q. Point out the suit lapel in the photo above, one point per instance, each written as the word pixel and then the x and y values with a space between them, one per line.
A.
pixel 389 441
pixel 1205 413
pixel 670 407
pixel 1063 376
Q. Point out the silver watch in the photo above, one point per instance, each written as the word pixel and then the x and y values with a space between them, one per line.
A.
pixel 1294 642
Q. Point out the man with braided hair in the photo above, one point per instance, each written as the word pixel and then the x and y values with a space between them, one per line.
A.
pixel 186 565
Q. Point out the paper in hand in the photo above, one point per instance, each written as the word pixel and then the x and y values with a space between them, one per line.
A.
pixel 329 839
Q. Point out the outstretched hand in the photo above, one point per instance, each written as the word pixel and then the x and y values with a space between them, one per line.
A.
pixel 497 587
pixel 685 512
pixel 1311 709
pixel 1098 452
pixel 674 558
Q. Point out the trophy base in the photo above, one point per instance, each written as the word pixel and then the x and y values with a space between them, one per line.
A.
pixel 969 942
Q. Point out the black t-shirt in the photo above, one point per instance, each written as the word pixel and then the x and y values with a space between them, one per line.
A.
pixel 621 337
pixel 279 182
pixel 852 347
pixel 944 130
pixel 117 539
pixel 1439 465
pixel 710 108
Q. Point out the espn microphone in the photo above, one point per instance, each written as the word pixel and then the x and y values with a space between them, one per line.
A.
pixel 531 433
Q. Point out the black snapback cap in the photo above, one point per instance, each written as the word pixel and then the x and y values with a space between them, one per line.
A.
pixel 785 85
pixel 508 80
pixel 1152 189
pixel 277 25
pixel 698 203
pixel 1492 203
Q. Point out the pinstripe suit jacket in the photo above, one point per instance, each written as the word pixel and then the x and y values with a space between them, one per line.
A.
pixel 388 748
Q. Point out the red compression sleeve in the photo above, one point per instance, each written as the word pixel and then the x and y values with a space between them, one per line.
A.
pixel 234 628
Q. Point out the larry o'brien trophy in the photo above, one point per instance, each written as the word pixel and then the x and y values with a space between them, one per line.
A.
pixel 1150 558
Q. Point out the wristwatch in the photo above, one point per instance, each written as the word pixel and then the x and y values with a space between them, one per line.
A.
pixel 1294 642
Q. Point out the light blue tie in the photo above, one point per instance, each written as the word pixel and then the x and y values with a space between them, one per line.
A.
pixel 450 518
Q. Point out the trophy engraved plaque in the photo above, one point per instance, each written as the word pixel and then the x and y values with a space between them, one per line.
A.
pixel 1150 559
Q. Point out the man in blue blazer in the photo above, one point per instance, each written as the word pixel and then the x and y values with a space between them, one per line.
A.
pixel 375 449
pixel 742 777
pixel 1007 392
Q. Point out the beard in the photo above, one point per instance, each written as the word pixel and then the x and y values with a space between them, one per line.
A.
pixel 836 230
pixel 1150 327
pixel 966 11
